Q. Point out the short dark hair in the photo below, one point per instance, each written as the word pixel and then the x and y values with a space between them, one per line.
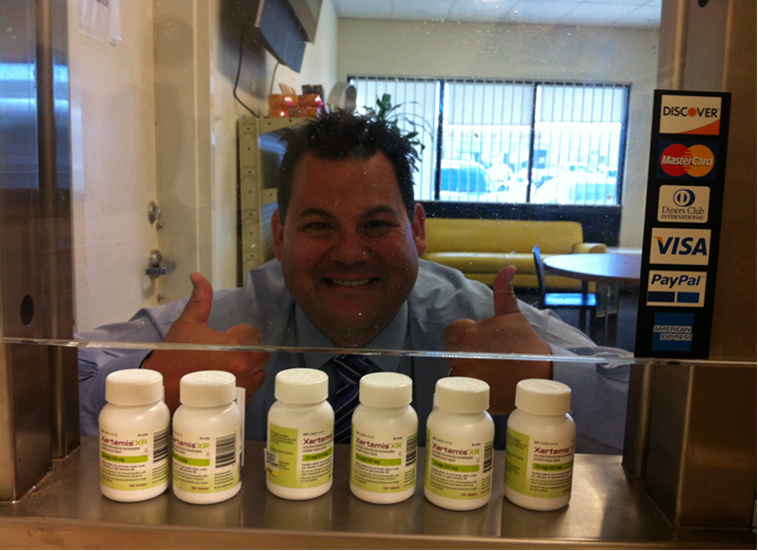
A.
pixel 339 136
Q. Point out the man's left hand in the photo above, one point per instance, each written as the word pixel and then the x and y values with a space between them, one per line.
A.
pixel 507 332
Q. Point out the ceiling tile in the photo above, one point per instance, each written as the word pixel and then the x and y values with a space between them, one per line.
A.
pixel 543 12
pixel 591 14
pixel 480 10
pixel 421 9
pixel 361 9
pixel 627 13
pixel 645 16
pixel 634 3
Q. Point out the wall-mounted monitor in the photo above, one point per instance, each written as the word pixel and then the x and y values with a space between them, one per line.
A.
pixel 306 13
pixel 283 26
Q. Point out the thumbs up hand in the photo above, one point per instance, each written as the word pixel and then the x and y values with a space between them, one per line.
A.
pixel 507 332
pixel 192 327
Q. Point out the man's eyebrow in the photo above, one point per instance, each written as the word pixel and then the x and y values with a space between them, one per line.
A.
pixel 380 209
pixel 314 211
pixel 373 211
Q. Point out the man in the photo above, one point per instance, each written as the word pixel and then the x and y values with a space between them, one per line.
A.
pixel 347 274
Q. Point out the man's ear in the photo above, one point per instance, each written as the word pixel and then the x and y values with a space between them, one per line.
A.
pixel 418 226
pixel 277 229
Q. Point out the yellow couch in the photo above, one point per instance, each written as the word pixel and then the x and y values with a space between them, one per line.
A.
pixel 481 248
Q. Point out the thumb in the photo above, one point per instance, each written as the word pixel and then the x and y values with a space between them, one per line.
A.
pixel 505 298
pixel 199 306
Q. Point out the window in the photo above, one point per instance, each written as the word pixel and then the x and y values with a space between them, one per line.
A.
pixel 511 142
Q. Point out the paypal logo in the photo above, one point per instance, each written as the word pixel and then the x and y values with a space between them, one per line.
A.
pixel 677 289
pixel 685 246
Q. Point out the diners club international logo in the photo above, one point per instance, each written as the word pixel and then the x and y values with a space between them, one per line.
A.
pixel 682 203
pixel 687 160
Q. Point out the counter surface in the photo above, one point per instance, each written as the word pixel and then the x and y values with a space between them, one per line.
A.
pixel 607 509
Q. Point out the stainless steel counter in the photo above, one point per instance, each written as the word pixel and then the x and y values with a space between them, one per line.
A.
pixel 607 509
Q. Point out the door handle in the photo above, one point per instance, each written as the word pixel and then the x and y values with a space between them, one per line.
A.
pixel 157 267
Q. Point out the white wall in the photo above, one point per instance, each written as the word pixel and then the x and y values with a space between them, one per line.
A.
pixel 113 167
pixel 520 51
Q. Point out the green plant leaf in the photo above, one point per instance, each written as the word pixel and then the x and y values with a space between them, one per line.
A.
pixel 386 111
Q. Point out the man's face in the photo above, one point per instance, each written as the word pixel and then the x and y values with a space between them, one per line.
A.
pixel 348 251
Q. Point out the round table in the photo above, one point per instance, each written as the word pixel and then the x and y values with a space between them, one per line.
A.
pixel 611 268
pixel 609 271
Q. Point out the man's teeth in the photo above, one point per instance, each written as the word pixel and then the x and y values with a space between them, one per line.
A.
pixel 351 282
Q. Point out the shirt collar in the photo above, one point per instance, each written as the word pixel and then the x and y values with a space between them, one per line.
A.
pixel 394 337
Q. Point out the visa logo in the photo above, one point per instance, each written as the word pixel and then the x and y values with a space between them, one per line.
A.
pixel 685 246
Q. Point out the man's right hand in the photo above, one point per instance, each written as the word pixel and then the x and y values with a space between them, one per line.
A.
pixel 192 327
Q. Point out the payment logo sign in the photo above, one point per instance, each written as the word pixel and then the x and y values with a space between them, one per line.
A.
pixel 673 332
pixel 685 246
pixel 687 160
pixel 685 289
pixel 683 204
pixel 691 115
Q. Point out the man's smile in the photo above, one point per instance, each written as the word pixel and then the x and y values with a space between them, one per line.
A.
pixel 350 282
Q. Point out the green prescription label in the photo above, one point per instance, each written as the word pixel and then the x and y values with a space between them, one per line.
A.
pixel 205 464
pixel 133 461
pixel 538 468
pixel 458 469
pixel 383 463
pixel 299 459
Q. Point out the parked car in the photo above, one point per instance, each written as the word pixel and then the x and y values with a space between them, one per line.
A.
pixel 577 184
pixel 463 180
pixel 514 192
pixel 501 176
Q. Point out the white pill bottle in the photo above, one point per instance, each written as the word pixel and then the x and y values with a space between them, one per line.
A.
pixel 460 436
pixel 134 432
pixel 206 438
pixel 299 452
pixel 384 438
pixel 539 448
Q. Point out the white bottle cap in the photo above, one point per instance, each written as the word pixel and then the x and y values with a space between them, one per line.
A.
pixel 134 387
pixel 206 389
pixel 386 390
pixel 543 397
pixel 301 385
pixel 462 395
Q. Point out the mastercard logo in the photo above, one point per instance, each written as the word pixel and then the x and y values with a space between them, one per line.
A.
pixel 694 160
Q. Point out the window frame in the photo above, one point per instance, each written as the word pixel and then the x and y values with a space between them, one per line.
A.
pixel 600 223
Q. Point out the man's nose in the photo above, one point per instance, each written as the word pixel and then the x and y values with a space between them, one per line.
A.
pixel 349 248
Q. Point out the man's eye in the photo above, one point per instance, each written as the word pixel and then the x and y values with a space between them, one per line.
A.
pixel 377 227
pixel 316 226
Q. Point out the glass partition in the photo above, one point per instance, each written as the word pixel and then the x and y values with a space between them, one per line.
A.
pixel 157 176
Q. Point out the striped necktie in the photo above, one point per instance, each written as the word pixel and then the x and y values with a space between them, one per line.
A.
pixel 351 368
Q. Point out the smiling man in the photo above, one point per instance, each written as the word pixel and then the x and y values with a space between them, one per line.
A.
pixel 347 274
pixel 350 259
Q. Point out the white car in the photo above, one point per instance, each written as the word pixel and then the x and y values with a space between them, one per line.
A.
pixel 501 176
pixel 463 180
pixel 577 184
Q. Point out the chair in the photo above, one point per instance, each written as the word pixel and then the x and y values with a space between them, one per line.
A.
pixel 584 301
